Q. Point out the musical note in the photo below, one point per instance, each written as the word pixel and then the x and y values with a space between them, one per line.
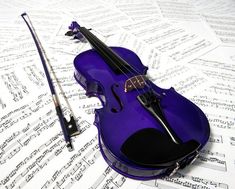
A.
pixel 232 141
pixel 216 138
pixel 2 104
pixel 32 151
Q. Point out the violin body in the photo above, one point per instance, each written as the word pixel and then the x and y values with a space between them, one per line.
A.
pixel 144 131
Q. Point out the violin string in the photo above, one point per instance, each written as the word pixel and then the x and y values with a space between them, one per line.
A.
pixel 94 38
pixel 133 68
pixel 98 49
pixel 169 131
pixel 105 46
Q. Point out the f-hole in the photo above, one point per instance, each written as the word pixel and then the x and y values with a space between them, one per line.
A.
pixel 116 109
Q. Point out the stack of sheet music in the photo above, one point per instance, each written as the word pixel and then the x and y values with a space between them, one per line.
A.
pixel 189 45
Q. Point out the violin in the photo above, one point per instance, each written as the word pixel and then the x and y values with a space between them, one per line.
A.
pixel 144 131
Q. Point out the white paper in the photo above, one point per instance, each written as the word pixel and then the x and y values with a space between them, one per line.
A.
pixel 174 40
pixel 181 43
pixel 223 26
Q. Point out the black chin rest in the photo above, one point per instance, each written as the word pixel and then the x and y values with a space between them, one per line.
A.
pixel 150 147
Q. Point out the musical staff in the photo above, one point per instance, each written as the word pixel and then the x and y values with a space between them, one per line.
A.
pixel 185 44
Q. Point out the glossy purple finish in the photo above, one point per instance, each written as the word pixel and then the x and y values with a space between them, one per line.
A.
pixel 96 77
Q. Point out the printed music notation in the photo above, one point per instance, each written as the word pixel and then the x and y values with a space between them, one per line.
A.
pixel 212 160
pixel 115 180
pixel 14 86
pixel 138 11
pixel 35 75
pixel 2 104
pixel 216 138
pixel 219 121
pixel 215 103
pixel 183 181
pixel 222 25
pixel 176 41
pixel 185 44
pixel 179 10
pixel 39 155
pixel 222 89
pixel 182 78
pixel 232 141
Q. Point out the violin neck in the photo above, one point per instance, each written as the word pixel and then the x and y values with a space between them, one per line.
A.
pixel 114 61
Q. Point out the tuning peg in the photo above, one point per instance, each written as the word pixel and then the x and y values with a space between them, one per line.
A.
pixel 78 36
pixel 74 26
pixel 69 33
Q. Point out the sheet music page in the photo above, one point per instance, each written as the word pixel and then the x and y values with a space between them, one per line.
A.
pixel 176 10
pixel 172 39
pixel 104 18
pixel 19 84
pixel 138 11
pixel 7 24
pixel 188 45
pixel 128 1
pixel 33 151
pixel 106 24
pixel 215 164
pixel 219 7
pixel 223 26
pixel 148 55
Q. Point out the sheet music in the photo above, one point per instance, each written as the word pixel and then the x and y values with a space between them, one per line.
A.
pixel 217 101
pixel 138 11
pixel 151 57
pixel 183 181
pixel 33 151
pixel 175 10
pixel 6 26
pixel 104 18
pixel 223 27
pixel 19 84
pixel 188 45
pixel 172 39
pixel 219 7
pixel 185 80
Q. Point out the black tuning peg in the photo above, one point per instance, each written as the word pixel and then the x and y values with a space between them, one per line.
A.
pixel 69 33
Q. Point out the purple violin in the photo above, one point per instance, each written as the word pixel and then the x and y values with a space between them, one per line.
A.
pixel 145 132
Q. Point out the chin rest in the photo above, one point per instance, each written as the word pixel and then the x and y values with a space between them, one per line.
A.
pixel 150 147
